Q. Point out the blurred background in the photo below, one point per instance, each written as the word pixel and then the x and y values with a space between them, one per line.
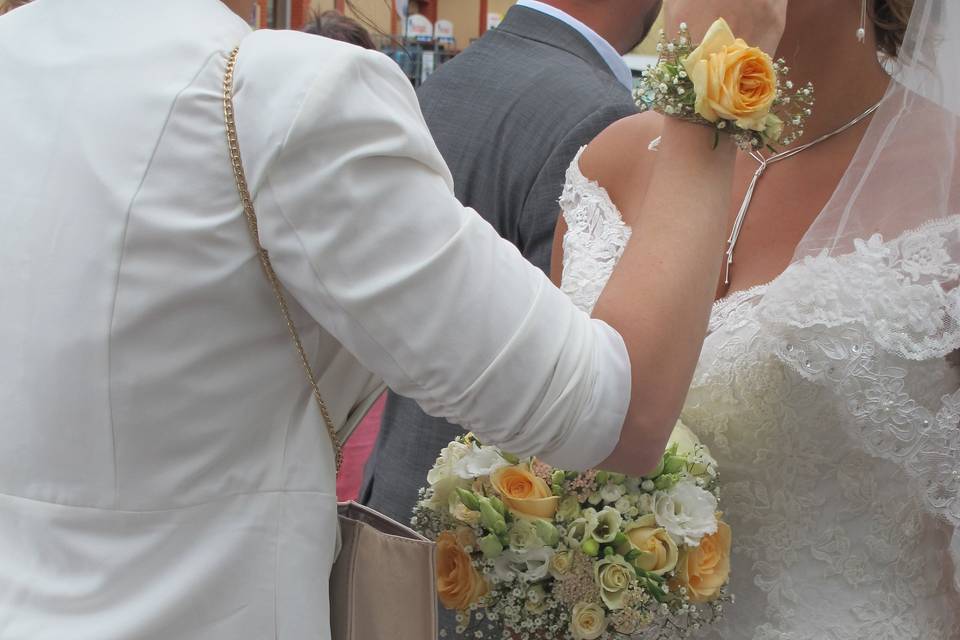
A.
pixel 419 35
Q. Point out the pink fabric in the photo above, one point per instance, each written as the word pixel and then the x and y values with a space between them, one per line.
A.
pixel 356 452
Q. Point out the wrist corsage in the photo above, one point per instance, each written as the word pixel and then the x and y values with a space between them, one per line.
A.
pixel 728 85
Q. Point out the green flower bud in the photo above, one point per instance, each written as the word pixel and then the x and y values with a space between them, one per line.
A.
pixel 490 546
pixel 590 547
pixel 602 477
pixel 557 490
pixel 558 477
pixel 547 532
pixel 674 464
pixel 490 518
pixel 469 499
pixel 665 482
pixel 608 552
pixel 498 505
pixel 617 478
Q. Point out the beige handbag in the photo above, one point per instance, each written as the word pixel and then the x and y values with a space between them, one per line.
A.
pixel 383 583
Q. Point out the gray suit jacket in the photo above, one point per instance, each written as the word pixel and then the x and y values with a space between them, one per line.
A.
pixel 508 115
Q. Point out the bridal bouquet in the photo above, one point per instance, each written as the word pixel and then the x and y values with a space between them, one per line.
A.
pixel 542 553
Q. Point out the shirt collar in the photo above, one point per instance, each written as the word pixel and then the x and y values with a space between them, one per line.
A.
pixel 610 55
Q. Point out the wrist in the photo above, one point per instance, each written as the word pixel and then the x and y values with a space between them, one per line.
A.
pixel 694 140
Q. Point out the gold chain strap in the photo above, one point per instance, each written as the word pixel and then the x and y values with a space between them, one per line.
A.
pixel 251 217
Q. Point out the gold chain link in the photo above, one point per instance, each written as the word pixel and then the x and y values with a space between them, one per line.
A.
pixel 251 216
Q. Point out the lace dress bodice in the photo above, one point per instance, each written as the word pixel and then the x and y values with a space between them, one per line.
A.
pixel 830 539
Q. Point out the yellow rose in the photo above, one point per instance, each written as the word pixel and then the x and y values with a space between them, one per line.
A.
pixel 459 584
pixel 731 80
pixel 560 564
pixel 705 569
pixel 660 552
pixel 587 621
pixel 614 576
pixel 524 493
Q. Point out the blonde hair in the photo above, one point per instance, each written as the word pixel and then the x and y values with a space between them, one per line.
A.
pixel 890 19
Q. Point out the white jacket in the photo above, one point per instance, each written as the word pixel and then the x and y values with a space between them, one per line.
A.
pixel 164 472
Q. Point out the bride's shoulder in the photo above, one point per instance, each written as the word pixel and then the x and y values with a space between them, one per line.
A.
pixel 620 158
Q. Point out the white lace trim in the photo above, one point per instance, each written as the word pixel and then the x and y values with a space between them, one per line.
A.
pixel 805 382
pixel 596 237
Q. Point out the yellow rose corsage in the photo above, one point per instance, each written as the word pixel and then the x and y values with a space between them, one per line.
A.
pixel 726 84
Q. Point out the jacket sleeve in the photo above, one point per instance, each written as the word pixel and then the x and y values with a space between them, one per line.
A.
pixel 366 234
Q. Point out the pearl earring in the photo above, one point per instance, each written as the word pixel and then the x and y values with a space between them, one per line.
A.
pixel 862 31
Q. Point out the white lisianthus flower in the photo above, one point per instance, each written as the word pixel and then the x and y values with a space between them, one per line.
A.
pixel 442 478
pixel 608 525
pixel 531 566
pixel 687 512
pixel 623 505
pixel 581 529
pixel 479 461
pixel 612 492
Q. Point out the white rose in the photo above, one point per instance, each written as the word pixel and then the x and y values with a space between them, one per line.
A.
pixel 442 478
pixel 479 461
pixel 587 621
pixel 687 512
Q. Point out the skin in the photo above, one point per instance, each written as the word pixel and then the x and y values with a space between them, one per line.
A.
pixel 663 285
pixel 243 8
pixel 622 23
pixel 789 196
pixel 792 193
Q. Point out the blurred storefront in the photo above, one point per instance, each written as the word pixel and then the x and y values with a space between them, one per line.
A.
pixel 419 34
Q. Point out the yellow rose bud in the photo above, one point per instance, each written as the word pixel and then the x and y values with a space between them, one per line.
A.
pixel 731 80
pixel 703 570
pixel 524 493
pixel 587 621
pixel 659 553
pixel 459 584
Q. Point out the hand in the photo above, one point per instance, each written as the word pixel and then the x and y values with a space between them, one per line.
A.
pixel 759 22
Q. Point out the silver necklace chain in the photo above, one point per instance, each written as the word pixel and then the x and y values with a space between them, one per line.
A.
pixel 765 162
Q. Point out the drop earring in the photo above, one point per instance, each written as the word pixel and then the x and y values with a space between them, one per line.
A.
pixel 862 31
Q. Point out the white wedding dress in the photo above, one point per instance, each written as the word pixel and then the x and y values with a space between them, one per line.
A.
pixel 830 539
